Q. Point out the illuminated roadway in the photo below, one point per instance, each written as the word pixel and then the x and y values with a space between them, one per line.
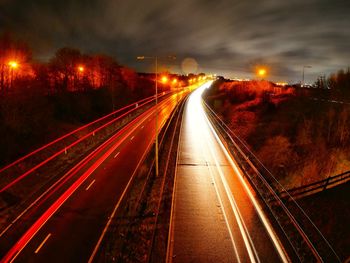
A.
pixel 215 215
pixel 69 224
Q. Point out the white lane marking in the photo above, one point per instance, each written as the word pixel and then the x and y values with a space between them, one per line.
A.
pixel 223 210
pixel 100 147
pixel 242 227
pixel 115 156
pixel 132 138
pixel 87 188
pixel 142 127
pixel 110 218
pixel 42 243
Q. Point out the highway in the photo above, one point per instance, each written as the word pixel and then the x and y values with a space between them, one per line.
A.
pixel 70 222
pixel 216 216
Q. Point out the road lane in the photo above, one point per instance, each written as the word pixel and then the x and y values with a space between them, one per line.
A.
pixel 216 216
pixel 77 224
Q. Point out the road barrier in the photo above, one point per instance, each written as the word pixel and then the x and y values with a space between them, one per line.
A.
pixel 302 236
pixel 315 187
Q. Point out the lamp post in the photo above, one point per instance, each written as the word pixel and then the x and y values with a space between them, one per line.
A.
pixel 80 70
pixel 156 58
pixel 304 67
pixel 261 72
pixel 13 65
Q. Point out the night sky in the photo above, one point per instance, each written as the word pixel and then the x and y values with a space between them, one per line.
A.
pixel 228 37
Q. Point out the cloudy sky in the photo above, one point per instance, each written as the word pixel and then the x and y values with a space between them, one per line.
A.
pixel 226 37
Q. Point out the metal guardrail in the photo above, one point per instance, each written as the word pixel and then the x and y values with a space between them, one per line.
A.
pixel 315 187
pixel 76 133
pixel 67 144
pixel 303 236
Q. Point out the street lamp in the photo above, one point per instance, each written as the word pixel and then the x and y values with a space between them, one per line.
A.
pixel 164 79
pixel 81 69
pixel 261 72
pixel 13 66
pixel 156 58
pixel 304 67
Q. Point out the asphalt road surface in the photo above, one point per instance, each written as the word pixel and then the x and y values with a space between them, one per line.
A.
pixel 68 225
pixel 216 216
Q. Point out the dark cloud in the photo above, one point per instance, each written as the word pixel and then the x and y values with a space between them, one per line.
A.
pixel 228 37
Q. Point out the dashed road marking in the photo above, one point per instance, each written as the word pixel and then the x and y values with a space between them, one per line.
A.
pixel 87 188
pixel 42 244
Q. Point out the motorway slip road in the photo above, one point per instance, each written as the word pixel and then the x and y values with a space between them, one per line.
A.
pixel 68 224
pixel 215 215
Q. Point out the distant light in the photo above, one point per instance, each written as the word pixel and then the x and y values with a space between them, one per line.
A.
pixel 174 81
pixel 282 84
pixel 81 69
pixel 13 64
pixel 262 72
pixel 164 79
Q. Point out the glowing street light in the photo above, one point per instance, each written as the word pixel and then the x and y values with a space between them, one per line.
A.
pixel 81 69
pixel 164 79
pixel 262 72
pixel 155 58
pixel 174 81
pixel 13 64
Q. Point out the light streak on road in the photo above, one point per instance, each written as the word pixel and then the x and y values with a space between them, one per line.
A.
pixel 102 153
pixel 198 121
pixel 63 150
pixel 143 101
pixel 208 136
pixel 257 206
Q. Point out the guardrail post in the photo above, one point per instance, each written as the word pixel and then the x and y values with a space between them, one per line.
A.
pixel 326 183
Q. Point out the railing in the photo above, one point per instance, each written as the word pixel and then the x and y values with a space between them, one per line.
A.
pixel 316 187
pixel 80 129
pixel 24 184
pixel 86 135
pixel 302 236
